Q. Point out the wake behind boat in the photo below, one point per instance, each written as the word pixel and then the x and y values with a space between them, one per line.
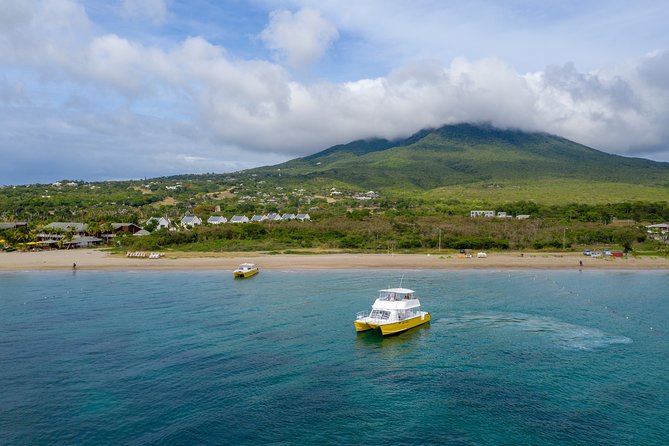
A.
pixel 245 270
pixel 395 310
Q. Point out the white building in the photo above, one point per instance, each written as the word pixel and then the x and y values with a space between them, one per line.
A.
pixel 190 220
pixel 162 222
pixel 482 213
pixel 239 219
pixel 216 220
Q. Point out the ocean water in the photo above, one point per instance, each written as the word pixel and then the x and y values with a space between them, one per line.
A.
pixel 195 357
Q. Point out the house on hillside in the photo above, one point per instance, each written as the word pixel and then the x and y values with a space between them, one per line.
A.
pixel 288 216
pixel 190 220
pixel 161 222
pixel 258 218
pixel 216 220
pixel 117 228
pixel 302 217
pixel 125 227
pixel 239 219
pixel 273 217
pixel 659 232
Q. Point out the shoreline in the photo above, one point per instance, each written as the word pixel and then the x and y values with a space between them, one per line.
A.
pixel 95 259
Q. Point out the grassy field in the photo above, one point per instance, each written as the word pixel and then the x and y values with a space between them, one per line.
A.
pixel 558 192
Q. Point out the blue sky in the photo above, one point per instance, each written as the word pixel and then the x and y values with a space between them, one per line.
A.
pixel 122 89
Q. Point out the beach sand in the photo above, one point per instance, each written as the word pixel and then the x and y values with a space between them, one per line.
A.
pixel 95 259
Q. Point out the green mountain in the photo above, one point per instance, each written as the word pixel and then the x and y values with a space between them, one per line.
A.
pixel 471 161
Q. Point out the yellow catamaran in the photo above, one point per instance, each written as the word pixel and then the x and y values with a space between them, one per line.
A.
pixel 395 310
pixel 245 270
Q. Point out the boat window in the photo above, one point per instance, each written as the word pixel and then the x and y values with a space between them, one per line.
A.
pixel 380 314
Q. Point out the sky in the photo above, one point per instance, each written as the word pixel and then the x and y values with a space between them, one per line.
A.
pixel 128 89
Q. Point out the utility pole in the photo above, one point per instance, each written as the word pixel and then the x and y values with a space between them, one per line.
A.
pixel 564 238
pixel 439 239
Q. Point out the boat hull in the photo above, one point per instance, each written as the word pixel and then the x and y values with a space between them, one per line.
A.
pixel 245 274
pixel 393 327
pixel 398 327
pixel 363 326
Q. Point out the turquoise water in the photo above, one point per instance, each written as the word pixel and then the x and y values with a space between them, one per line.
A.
pixel 520 357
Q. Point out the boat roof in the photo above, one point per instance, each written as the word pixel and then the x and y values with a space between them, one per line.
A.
pixel 248 265
pixel 397 290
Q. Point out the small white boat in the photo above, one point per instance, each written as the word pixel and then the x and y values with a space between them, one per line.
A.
pixel 395 310
pixel 245 270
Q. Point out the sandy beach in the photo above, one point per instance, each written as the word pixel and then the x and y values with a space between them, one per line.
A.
pixel 94 259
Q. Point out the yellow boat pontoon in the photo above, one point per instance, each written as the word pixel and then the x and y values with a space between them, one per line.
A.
pixel 395 310
pixel 245 270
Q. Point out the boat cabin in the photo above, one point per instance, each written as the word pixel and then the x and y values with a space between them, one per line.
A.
pixel 395 294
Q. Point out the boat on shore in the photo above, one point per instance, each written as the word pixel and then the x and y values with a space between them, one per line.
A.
pixel 394 311
pixel 245 270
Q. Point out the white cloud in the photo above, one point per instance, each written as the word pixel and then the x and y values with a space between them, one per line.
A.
pixel 300 38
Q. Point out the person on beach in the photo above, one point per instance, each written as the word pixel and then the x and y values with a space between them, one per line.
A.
pixel 74 266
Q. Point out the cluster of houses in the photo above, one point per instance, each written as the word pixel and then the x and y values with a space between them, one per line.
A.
pixel 193 220
pixel 495 214
pixel 77 235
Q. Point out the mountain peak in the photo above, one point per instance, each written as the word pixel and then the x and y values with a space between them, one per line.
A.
pixel 464 154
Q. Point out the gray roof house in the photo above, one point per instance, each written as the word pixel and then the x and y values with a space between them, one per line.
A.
pixel 216 220
pixel 288 217
pixel 274 217
pixel 302 217
pixel 259 218
pixel 239 219
pixel 191 220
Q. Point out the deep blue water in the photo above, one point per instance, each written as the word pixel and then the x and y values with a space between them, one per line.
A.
pixel 520 357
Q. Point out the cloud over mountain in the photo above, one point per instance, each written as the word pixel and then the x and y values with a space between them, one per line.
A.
pixel 101 103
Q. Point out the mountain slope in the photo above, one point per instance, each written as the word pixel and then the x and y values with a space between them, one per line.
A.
pixel 466 154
